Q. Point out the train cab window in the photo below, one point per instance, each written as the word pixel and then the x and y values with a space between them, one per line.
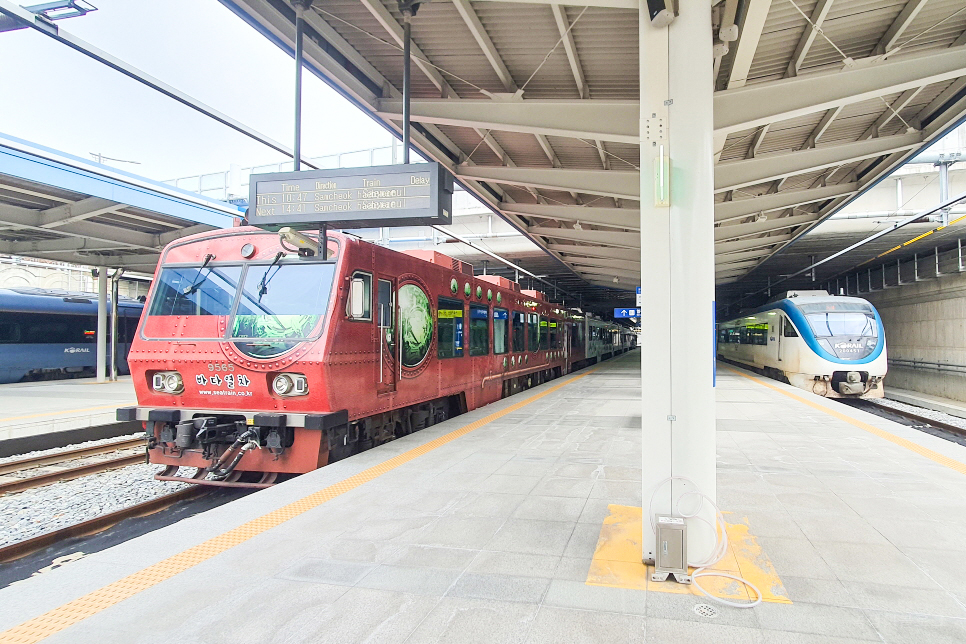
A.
pixel 359 305
pixel 479 330
pixel 195 291
pixel 449 328
pixel 519 331
pixel 533 322
pixel 545 339
pixel 788 329
pixel 501 330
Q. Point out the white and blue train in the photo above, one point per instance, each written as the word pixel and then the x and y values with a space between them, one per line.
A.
pixel 53 334
pixel 830 345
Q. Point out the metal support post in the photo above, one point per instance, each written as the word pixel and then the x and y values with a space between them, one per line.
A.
pixel 915 267
pixel 884 286
pixel 938 274
pixel 115 280
pixel 101 325
pixel 299 28
pixel 944 188
pixel 677 255
pixel 959 251
pixel 407 82
pixel 898 273
pixel 811 262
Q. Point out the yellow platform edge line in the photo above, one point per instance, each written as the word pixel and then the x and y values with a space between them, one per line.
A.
pixel 58 619
pixel 934 456
pixel 617 562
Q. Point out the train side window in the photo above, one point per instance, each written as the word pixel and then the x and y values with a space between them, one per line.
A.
pixel 359 306
pixel 501 330
pixel 519 331
pixel 10 330
pixel 533 322
pixel 552 326
pixel 789 329
pixel 545 333
pixel 479 330
pixel 449 328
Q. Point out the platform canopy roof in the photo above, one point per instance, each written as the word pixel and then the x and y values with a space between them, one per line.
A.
pixel 534 106
pixel 60 207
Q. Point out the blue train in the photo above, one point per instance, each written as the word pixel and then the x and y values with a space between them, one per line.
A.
pixel 831 345
pixel 53 334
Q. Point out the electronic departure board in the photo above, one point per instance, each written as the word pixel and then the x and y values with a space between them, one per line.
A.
pixel 415 194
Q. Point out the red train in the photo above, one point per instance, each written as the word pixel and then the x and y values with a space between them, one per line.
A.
pixel 255 359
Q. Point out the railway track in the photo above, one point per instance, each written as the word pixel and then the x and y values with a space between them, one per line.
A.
pixel 66 474
pixel 97 524
pixel 921 422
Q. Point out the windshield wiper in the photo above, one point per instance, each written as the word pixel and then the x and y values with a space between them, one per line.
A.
pixel 188 290
pixel 263 284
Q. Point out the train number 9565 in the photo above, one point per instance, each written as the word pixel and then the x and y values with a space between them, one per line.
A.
pixel 220 366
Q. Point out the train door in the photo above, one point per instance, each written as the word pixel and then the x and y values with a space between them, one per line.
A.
pixel 386 337
pixel 781 334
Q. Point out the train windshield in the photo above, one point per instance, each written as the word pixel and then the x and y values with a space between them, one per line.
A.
pixel 280 305
pixel 839 323
pixel 265 308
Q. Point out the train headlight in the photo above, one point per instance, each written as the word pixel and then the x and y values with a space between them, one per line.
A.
pixel 290 384
pixel 167 382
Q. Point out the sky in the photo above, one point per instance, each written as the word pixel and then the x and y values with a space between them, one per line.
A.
pixel 55 96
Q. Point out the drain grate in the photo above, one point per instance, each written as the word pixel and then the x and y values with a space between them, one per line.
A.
pixel 706 610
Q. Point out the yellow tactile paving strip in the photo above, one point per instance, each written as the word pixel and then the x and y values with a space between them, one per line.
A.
pixel 942 459
pixel 63 617
pixel 617 562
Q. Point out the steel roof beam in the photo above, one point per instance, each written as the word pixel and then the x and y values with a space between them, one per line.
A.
pixel 733 258
pixel 729 210
pixel 609 183
pixel 737 266
pixel 63 245
pixel 822 126
pixel 601 237
pixel 566 34
pixel 482 38
pixel 77 211
pixel 626 265
pixel 588 119
pixel 618 217
pixel 754 105
pixel 594 251
pixel 635 277
pixel 896 106
pixel 819 13
pixel 899 26
pixel 757 227
pixel 738 174
pixel 608 4
pixel 734 110
pixel 749 244
pixel 756 12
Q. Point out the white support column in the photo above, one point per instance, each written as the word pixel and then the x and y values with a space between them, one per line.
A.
pixel 102 324
pixel 677 267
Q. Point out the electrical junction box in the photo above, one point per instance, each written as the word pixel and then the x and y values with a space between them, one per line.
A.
pixel 672 549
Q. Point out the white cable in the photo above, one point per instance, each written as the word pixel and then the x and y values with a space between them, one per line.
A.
pixel 718 552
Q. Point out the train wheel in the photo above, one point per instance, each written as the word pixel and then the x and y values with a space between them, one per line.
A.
pixel 268 478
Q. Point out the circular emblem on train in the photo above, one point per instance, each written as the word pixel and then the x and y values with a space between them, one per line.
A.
pixel 466 289
pixel 489 295
pixel 454 285
pixel 415 324
pixel 479 292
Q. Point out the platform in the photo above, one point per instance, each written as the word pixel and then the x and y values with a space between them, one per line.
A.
pixel 42 407
pixel 928 401
pixel 499 526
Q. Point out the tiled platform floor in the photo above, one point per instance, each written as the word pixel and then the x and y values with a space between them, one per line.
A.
pixel 488 538
pixel 30 408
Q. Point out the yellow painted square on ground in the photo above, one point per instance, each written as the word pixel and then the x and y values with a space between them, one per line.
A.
pixel 617 562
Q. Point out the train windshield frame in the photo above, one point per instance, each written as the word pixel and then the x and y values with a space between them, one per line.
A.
pixel 828 324
pixel 266 307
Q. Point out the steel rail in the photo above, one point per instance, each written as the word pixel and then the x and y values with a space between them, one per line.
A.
pixel 60 457
pixel 952 429
pixel 18 485
pixel 97 524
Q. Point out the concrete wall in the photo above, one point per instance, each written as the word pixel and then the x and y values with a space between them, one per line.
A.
pixel 926 321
